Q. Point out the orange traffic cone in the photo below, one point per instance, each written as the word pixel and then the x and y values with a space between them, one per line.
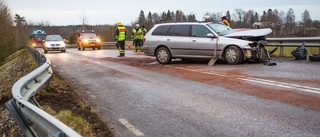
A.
pixel 129 46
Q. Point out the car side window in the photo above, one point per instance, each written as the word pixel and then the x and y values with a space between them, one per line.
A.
pixel 171 31
pixel 181 30
pixel 200 31
pixel 161 30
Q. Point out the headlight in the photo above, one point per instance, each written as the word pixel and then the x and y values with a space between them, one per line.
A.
pixel 85 40
pixel 63 45
pixel 47 45
pixel 98 40
pixel 34 44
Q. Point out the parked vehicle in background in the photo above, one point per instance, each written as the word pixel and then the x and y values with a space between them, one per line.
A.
pixel 37 38
pixel 88 39
pixel 54 43
pixel 194 40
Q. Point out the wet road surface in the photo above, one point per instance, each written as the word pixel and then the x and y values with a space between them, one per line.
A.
pixel 139 97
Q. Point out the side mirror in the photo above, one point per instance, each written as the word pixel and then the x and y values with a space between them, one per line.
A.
pixel 210 35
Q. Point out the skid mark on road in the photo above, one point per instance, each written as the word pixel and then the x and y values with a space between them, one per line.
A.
pixel 131 127
pixel 256 80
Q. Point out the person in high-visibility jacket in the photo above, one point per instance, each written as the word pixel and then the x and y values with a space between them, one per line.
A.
pixel 121 35
pixel 144 30
pixel 137 35
pixel 224 19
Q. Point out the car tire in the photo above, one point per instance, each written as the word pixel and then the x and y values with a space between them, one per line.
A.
pixel 163 55
pixel 63 50
pixel 99 48
pixel 45 51
pixel 83 48
pixel 233 55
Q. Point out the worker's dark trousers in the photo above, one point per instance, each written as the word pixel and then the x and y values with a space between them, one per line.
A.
pixel 137 44
pixel 121 47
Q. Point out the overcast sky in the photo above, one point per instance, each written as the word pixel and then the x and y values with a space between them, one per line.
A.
pixel 69 12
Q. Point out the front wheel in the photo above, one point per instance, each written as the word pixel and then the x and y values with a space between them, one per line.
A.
pixel 233 55
pixel 163 55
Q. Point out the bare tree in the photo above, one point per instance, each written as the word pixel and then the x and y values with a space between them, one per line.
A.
pixel 84 19
pixel 307 23
pixel 239 17
pixel 289 23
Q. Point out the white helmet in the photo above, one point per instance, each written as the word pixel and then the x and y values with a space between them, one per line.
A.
pixel 137 25
pixel 223 15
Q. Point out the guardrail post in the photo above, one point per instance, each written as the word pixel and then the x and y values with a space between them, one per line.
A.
pixel 281 51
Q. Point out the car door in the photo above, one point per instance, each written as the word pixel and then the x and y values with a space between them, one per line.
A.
pixel 201 45
pixel 179 41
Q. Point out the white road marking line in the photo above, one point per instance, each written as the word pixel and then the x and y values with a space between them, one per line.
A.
pixel 294 85
pixel 258 80
pixel 131 127
pixel 281 85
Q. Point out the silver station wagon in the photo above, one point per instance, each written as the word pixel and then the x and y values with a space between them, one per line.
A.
pixel 199 40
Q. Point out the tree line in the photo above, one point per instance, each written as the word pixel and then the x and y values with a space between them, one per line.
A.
pixel 283 24
pixel 15 31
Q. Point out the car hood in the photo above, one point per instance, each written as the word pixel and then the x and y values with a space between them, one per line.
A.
pixel 250 33
pixel 232 41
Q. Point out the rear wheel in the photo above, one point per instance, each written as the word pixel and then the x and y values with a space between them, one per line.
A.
pixel 99 48
pixel 45 51
pixel 83 48
pixel 163 55
pixel 233 55
pixel 93 48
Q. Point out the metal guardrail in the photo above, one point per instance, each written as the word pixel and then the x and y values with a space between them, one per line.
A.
pixel 294 42
pixel 108 43
pixel 32 120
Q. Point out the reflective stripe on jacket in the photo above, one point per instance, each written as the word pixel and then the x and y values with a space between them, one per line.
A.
pixel 137 34
pixel 122 33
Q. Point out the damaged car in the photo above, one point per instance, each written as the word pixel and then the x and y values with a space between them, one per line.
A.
pixel 205 40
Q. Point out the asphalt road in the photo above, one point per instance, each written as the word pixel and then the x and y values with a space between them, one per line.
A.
pixel 148 99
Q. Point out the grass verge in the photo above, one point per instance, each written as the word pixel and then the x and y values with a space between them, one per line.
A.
pixel 60 101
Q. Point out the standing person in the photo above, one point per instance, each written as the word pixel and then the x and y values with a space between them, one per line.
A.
pixel 137 35
pixel 121 35
pixel 144 30
pixel 224 19
pixel 207 18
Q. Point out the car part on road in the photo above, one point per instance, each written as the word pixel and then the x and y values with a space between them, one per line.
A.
pixel 214 58
pixel 300 52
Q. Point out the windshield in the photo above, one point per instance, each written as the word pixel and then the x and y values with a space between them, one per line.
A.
pixel 39 36
pixel 89 35
pixel 54 38
pixel 221 29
